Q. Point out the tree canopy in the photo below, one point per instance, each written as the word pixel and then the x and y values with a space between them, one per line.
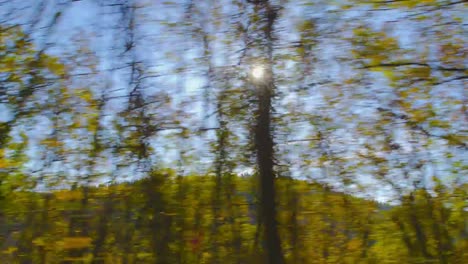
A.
pixel 236 131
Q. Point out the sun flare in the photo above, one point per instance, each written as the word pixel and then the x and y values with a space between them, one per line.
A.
pixel 258 72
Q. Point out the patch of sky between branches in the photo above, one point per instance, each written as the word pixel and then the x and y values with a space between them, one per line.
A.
pixel 5 113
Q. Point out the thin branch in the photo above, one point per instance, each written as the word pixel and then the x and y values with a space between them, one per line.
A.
pixel 451 80
pixel 421 64
pixel 417 126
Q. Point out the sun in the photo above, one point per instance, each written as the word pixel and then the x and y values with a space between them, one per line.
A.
pixel 258 72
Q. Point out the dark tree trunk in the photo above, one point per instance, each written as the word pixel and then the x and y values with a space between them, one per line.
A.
pixel 264 149
pixel 102 230
pixel 264 144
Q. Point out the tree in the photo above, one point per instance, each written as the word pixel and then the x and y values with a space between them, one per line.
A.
pixel 263 138
pixel 276 91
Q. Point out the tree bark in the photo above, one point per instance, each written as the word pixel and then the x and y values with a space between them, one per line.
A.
pixel 265 147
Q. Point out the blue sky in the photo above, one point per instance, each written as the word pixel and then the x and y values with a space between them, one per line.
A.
pixel 157 41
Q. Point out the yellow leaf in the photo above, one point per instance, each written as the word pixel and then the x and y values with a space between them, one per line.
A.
pixel 67 195
pixel 4 163
pixel 55 66
pixel 439 123
pixel 413 90
pixel 420 72
pixel 420 115
pixel 389 74
pixel 39 241
pixel 354 244
pixel 52 143
pixel 74 242
pixel 85 94
pixel 10 250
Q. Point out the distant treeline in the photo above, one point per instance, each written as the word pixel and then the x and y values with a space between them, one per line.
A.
pixel 168 219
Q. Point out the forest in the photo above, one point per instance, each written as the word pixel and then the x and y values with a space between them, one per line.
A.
pixel 233 131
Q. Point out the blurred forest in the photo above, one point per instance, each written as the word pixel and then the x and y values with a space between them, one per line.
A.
pixel 233 131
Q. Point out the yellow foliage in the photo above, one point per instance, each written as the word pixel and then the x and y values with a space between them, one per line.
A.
pixel 4 163
pixel 420 72
pixel 66 195
pixel 74 242
pixel 307 25
pixel 86 95
pixel 420 115
pixel 10 250
pixel 39 241
pixel 354 244
pixel 51 143
pixel 55 66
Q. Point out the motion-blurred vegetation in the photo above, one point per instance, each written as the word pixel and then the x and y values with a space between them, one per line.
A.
pixel 233 131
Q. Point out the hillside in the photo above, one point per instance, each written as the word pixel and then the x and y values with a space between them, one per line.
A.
pixel 179 220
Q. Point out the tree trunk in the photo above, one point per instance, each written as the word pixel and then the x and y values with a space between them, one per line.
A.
pixel 264 149
pixel 264 145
